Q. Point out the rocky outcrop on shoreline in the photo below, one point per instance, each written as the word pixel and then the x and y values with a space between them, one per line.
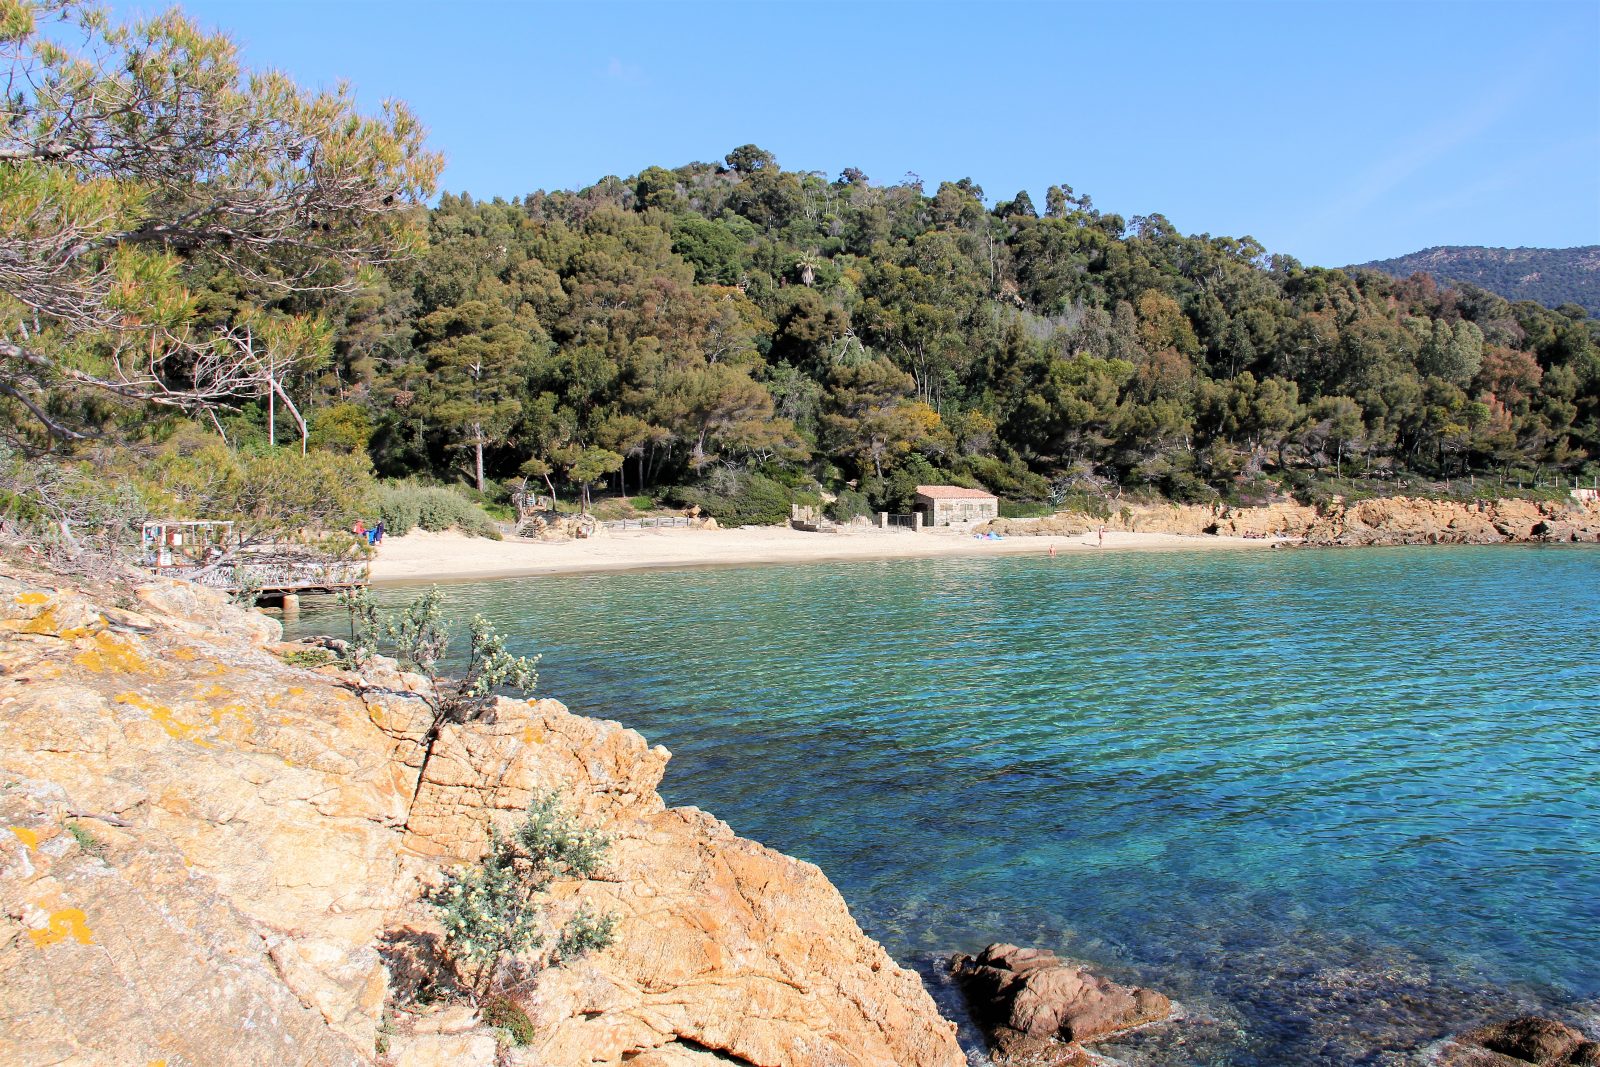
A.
pixel 1039 1010
pixel 210 856
pixel 1381 521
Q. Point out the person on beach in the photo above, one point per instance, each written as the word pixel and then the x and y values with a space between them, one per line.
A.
pixel 377 533
pixel 359 529
pixel 1102 537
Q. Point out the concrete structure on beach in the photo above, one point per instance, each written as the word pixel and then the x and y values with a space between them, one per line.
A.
pixel 942 505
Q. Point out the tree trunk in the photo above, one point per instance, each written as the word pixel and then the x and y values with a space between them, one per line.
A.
pixel 218 424
pixel 477 452
pixel 298 421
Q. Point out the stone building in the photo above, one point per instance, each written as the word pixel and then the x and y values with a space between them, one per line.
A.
pixel 941 505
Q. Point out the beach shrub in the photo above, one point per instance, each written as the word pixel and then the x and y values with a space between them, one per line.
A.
pixel 1024 509
pixel 850 504
pixel 406 506
pixel 495 912
pixel 740 498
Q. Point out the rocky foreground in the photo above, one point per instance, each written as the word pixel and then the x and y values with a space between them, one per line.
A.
pixel 1382 521
pixel 210 857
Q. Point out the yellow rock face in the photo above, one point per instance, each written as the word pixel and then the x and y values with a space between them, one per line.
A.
pixel 1384 521
pixel 209 857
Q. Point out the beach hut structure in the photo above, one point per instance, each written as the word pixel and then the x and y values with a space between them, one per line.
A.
pixel 941 505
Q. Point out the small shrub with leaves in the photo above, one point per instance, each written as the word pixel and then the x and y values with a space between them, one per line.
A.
pixel 503 1014
pixel 419 637
pixel 85 839
pixel 495 913
pixel 365 626
pixel 309 658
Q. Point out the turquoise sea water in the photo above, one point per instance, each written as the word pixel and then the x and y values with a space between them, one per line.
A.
pixel 1338 804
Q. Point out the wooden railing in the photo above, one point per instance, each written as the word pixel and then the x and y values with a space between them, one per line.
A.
pixel 653 522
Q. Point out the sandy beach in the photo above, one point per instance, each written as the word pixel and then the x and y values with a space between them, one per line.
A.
pixel 430 557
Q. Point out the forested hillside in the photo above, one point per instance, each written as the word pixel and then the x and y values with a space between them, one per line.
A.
pixel 700 324
pixel 1549 276
pixel 733 334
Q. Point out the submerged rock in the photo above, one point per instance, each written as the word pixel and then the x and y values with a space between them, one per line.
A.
pixel 1528 1039
pixel 1039 1009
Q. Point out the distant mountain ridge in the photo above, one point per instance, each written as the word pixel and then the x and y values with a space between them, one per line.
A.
pixel 1549 276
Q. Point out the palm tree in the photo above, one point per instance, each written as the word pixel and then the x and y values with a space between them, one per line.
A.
pixel 807 265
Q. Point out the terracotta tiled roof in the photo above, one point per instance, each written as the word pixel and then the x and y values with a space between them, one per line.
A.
pixel 953 492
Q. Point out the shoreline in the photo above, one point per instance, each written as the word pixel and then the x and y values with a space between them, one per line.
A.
pixel 453 557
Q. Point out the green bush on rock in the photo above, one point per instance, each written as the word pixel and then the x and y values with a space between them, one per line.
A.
pixel 495 912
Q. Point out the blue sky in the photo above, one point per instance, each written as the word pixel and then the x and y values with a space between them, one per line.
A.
pixel 1336 132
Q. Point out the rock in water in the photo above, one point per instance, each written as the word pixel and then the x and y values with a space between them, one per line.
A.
pixel 1037 1008
pixel 1531 1039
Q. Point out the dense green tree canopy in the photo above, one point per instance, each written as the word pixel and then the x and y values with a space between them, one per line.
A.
pixel 738 315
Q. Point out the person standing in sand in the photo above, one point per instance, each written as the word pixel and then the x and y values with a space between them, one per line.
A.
pixel 1102 543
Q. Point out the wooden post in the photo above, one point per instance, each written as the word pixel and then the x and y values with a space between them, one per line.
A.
pixel 291 605
pixel 916 522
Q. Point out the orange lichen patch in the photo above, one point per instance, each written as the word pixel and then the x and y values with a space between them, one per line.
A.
pixel 233 723
pixel 28 837
pixel 114 655
pixel 68 922
pixel 185 653
pixel 46 623
pixel 33 599
pixel 530 736
pixel 211 692
pixel 163 717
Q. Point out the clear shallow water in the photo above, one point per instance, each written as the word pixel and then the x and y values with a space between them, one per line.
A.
pixel 1337 803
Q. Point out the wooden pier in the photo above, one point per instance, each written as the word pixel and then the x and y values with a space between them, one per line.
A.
pixel 272 579
pixel 207 553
